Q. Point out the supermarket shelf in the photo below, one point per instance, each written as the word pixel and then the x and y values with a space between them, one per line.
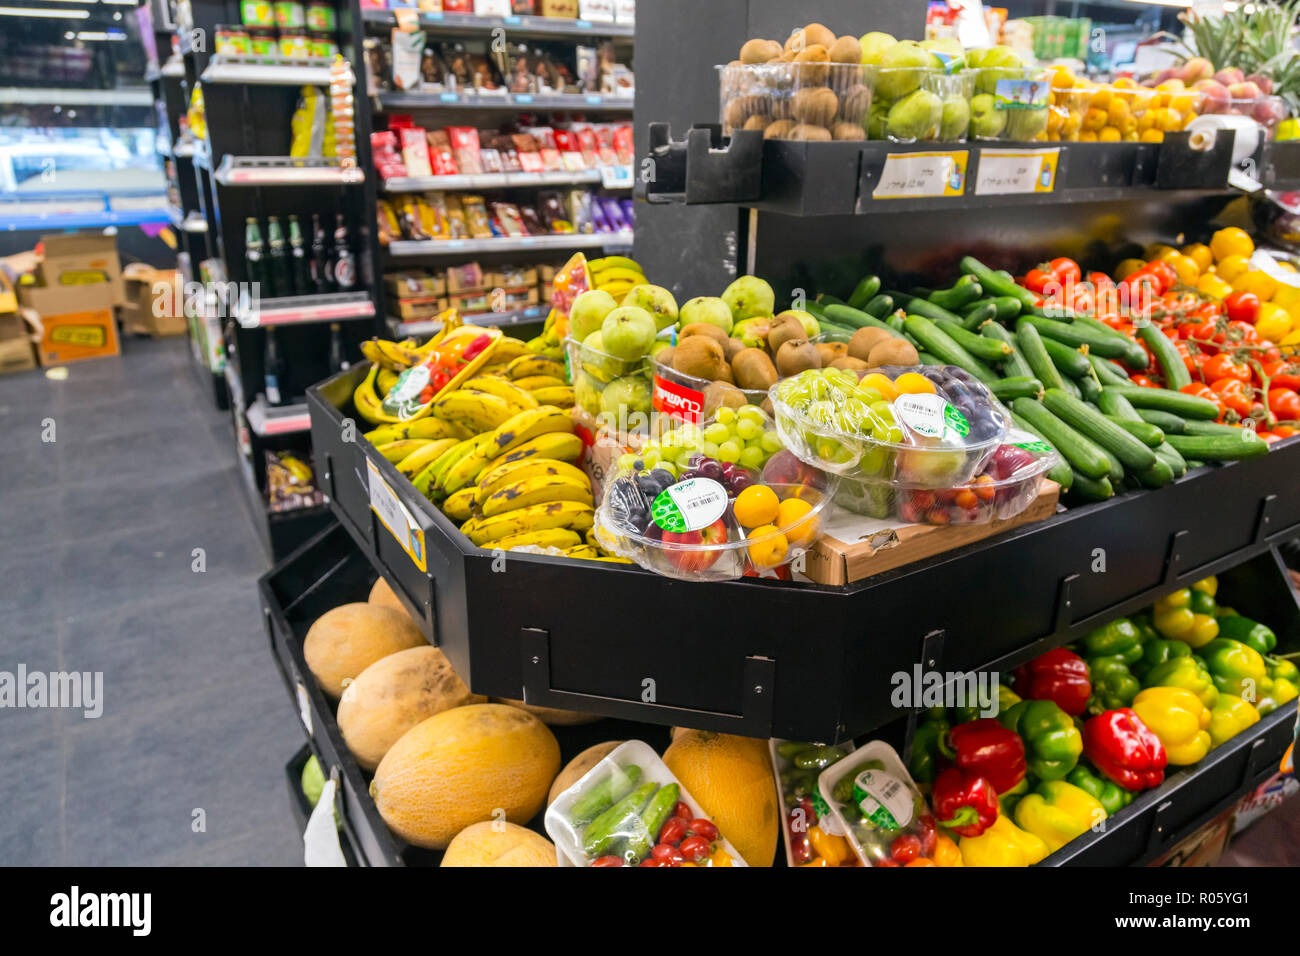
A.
pixel 842 178
pixel 44 96
pixel 500 319
pixel 268 70
pixel 298 804
pixel 503 101
pixel 286 171
pixel 457 247
pixel 1280 165
pixel 265 421
pixel 617 178
pixel 302 309
pixel 465 24
pixel 1021 593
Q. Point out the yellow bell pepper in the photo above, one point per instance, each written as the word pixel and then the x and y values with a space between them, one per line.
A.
pixel 1208 585
pixel 1179 719
pixel 1174 618
pixel 1057 812
pixel 831 848
pixel 1002 844
pixel 1229 717
pixel 946 852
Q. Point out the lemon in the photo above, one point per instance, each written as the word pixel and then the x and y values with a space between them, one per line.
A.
pixel 1231 241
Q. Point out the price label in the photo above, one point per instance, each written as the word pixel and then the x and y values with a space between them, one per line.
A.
pixel 1006 171
pixel 595 100
pixel 394 516
pixel 523 97
pixel 304 709
pixel 449 97
pixel 914 175
pixel 614 177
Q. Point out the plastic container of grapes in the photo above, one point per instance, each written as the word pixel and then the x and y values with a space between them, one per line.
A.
pixel 686 398
pixel 805 101
pixel 784 770
pixel 568 836
pixel 1009 483
pixel 938 440
pixel 615 391
pixel 873 798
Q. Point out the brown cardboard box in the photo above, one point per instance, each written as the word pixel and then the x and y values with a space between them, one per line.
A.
pixel 76 321
pixel 151 312
pixel 67 256
pixel 16 353
pixel 558 8
pixel 878 546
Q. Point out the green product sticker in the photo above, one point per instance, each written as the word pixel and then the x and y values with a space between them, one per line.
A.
pixel 689 505
pixel 883 799
pixel 1039 446
pixel 955 420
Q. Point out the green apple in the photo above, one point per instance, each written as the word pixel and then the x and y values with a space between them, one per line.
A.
pixel 915 117
pixel 628 332
pixel 704 308
pixel 656 300
pixel 806 319
pixel 749 296
pixel 874 45
pixel 955 120
pixel 589 311
pixel 986 120
pixel 902 67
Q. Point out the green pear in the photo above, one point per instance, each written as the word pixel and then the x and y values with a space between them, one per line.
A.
pixel 1024 125
pixel 915 117
pixel 986 120
pixel 656 300
pixel 955 120
pixel 749 296
pixel 589 311
pixel 874 45
pixel 704 308
pixel 902 67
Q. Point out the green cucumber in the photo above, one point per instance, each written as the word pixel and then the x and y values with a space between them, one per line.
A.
pixel 1070 386
pixel 1092 423
pixel 1115 468
pixel 1169 455
pixel 1147 434
pixel 1219 447
pixel 1168 422
pixel 1052 311
pixel 1193 464
pixel 1072 363
pixel 1007 306
pixel 1210 429
pixel 825 299
pixel 653 817
pixel 963 292
pixel 1009 389
pixel 615 823
pixel 914 305
pixel 853 318
pixel 997 283
pixel 1108 373
pixel 1082 453
pixel 815 309
pixel 864 291
pixel 1165 400
pixel 604 795
pixel 1167 358
pixel 879 306
pixel 1075 336
pixel 1030 344
pixel 895 322
pixel 1092 489
pixel 987 311
pixel 1158 475
pixel 1089 390
pixel 1137 356
pixel 925 358
pixel 834 333
pixel 1014 365
pixel 980 346
pixel 938 343
pixel 1113 403
pixel 1061 472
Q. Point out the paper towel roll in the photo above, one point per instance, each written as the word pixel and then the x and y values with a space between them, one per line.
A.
pixel 1205 129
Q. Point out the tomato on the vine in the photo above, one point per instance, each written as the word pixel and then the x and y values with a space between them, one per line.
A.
pixel 1065 270
pixel 1284 403
pixel 1225 365
pixel 1164 273
pixel 1138 379
pixel 1201 390
pixel 1234 394
pixel 1283 374
pixel 1242 306
pixel 1038 280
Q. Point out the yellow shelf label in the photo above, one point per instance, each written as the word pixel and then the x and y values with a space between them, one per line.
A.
pixel 1006 171
pixel 922 175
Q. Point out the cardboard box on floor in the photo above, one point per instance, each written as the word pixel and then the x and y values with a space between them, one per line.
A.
pixel 152 297
pixel 16 353
pixel 72 259
pixel 75 321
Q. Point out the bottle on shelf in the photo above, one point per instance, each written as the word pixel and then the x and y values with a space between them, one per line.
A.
pixel 254 258
pixel 321 279
pixel 299 267
pixel 277 263
pixel 272 369
pixel 345 266
pixel 337 362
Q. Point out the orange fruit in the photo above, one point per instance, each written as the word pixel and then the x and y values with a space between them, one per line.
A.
pixel 1231 242
pixel 756 505
pixel 798 531
pixel 769 546
pixel 1199 253
pixel 881 383
pixel 913 383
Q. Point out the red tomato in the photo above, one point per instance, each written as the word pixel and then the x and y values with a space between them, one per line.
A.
pixel 1137 291
pixel 1242 306
pixel 806 805
pixel 695 848
pixel 905 848
pixel 1283 431
pixel 673 831
pixel 1201 390
pixel 1163 273
pixel 1284 403
pixel 1268 437
pixel 666 851
pixel 607 861
pixel 651 861
pixel 1041 281
pixel 680 809
pixel 1242 332
pixel 1225 366
pixel 1100 280
pixel 1233 393
pixel 929 834
pixel 1065 270
pixel 705 828
pixel 1142 380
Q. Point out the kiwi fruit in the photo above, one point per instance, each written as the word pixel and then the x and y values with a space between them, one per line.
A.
pixel 854 103
pixel 779 129
pixel 759 51
pixel 817 34
pixel 699 356
pixel 766 405
pixel 782 332
pixel 795 356
pixel 845 131
pixel 846 49
pixel 816 106
pixel 753 370
pixel 665 357
pixel 809 133
pixel 830 351
pixel 703 328
pixel 893 352
pixel 736 112
pixel 719 395
pixel 850 364
pixel 812 66
pixel 865 339
pixel 756 122
pixel 726 375
pixel 733 346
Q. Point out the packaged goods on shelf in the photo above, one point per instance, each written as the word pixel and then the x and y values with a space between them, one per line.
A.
pixel 290 482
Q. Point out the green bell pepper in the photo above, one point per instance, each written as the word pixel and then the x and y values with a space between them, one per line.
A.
pixel 1285 685
pixel 1119 638
pixel 1279 668
pixel 1203 603
pixel 929 743
pixel 1111 795
pixel 1185 672
pixel 1052 741
pixel 966 713
pixel 1237 669
pixel 1113 684
pixel 1251 633
pixel 1146 632
pixel 1158 651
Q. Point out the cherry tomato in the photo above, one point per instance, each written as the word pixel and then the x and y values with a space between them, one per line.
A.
pixel 1201 390
pixel 666 851
pixel 1242 332
pixel 1284 403
pixel 705 828
pixel 673 831
pixel 607 861
pixel 680 809
pixel 1163 273
pixel 1242 306
pixel 1233 393
pixel 651 861
pixel 929 834
pixel 1225 366
pixel 1038 280
pixel 800 848
pixel 1142 380
pixel 1100 280
pixel 1137 291
pixel 905 848
pixel 1283 431
pixel 1066 270
pixel 695 848
pixel 806 805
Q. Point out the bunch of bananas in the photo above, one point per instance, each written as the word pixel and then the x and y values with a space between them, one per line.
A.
pixel 612 274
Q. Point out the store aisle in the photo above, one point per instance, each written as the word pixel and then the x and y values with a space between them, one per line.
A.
pixel 127 550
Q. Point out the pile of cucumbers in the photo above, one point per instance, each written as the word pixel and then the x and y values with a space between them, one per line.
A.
pixel 1065 377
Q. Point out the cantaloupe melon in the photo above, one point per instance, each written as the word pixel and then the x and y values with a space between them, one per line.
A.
pixel 346 640
pixel 575 768
pixel 551 715
pixel 383 595
pixel 465 765
pixel 394 694
pixel 731 779
pixel 493 843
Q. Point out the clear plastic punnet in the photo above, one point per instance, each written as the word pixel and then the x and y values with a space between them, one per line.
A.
pixel 925 426
pixel 816 101
pixel 1008 484
pixel 714 502
pixel 606 385
pixel 629 810
pixel 872 796
pixel 808 829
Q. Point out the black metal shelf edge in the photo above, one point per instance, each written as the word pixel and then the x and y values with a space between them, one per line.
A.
pixel 467 24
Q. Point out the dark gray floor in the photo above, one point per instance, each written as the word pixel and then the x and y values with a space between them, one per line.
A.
pixel 97 536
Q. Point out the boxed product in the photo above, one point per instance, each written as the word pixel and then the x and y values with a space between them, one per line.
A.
pixel 75 321
pixel 465 278
pixel 599 10
pixel 808 829
pixel 16 353
pixel 154 305
pixel 558 8
pixel 873 800
pixel 80 259
pixel 1265 798
pixel 406 285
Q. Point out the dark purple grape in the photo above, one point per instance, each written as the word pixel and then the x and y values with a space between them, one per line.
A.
pixel 709 468
pixel 690 473
pixel 740 480
pixel 663 477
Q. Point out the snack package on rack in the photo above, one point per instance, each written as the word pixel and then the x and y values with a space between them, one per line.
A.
pixel 810 832
pixel 476 216
pixel 550 153
pixel 433 209
pixel 388 162
pixel 629 810
pixel 925 426
pixel 290 483
pixel 389 226
pixel 308 124
pixel 415 151
pixel 440 154
pixel 342 113
pixel 407 51
pixel 195 114
pixel 457 225
pixel 714 502
pixel 873 799
pixel 578 203
pixel 553 213
pixel 465 149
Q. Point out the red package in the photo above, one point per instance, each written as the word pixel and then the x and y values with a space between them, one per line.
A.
pixel 623 144
pixel 570 152
pixel 457 6
pixel 604 134
pixel 587 143
pixel 415 151
pixel 550 153
pixel 465 148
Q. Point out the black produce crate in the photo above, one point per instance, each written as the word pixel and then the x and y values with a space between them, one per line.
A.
pixel 328 571
pixel 299 806
pixel 1192 796
pixel 800 661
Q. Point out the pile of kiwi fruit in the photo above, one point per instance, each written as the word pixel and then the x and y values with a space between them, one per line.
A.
pixel 808 88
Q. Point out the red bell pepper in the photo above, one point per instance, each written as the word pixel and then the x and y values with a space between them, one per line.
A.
pixel 964 803
pixel 1124 749
pixel 1060 676
pixel 985 748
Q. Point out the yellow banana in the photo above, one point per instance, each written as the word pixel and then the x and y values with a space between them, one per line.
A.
pixel 527 365
pixel 296 467
pixel 533 382
pixel 460 506
pixel 562 446
pixel 582 552
pixel 561 538
pixel 426 481
pixel 397 356
pixel 384 381
pixel 499 476
pixel 537 345
pixel 536 490
pixel 561 396
pixel 422 458
pixel 476 411
pixel 427 427
pixel 515 394
pixel 395 451
pixel 590 538
pixel 453 458
pixel 573 515
pixel 464 473
pixel 525 426
pixel 508 348
pixel 614 262
pixel 618 290
pixel 367 402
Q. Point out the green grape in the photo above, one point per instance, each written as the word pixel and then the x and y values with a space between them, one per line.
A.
pixel 868 395
pixel 771 442
pixel 709 450
pixel 650 456
pixel 751 413
pixel 725 415
pixel 749 429
pixel 625 462
pixel 728 451
pixel 717 433
pixel 751 457
pixel 873 460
